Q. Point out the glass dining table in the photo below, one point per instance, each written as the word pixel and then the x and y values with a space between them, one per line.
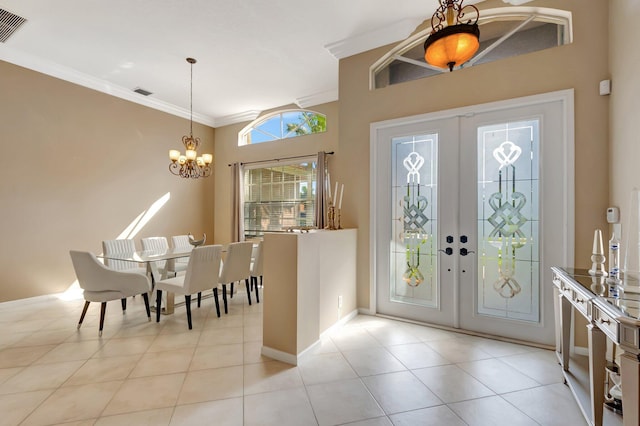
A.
pixel 150 259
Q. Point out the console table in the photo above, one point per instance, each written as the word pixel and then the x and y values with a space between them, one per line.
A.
pixel 615 318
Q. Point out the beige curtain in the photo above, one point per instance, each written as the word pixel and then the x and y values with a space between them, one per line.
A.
pixel 321 189
pixel 237 202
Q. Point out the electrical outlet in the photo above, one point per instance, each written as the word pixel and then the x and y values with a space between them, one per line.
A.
pixel 339 301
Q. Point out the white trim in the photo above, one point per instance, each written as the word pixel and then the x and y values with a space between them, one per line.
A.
pixel 338 324
pixel 317 99
pixel 579 350
pixel 237 118
pixel 370 40
pixel 279 355
pixel 297 359
pixel 64 73
pixel 363 311
pixel 29 300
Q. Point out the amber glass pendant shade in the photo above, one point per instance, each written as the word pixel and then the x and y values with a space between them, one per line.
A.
pixel 452 46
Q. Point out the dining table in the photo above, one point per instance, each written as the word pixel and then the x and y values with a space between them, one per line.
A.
pixel 150 258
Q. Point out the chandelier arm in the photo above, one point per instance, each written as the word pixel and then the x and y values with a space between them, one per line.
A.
pixel 461 13
pixel 174 168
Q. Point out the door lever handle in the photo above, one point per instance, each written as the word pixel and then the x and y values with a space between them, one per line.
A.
pixel 464 251
pixel 448 251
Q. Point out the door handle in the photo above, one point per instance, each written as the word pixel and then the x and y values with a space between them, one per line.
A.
pixel 448 251
pixel 464 251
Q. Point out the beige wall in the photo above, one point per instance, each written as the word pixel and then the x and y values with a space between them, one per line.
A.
pixel 580 65
pixel 228 151
pixel 78 167
pixel 624 142
pixel 98 157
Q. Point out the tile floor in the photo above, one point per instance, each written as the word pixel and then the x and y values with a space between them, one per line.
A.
pixel 372 371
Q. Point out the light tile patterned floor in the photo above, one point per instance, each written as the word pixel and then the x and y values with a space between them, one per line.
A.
pixel 370 372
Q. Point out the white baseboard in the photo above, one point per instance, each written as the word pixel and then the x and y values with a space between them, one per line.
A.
pixel 351 315
pixel 579 350
pixel 296 359
pixel 279 355
pixel 35 299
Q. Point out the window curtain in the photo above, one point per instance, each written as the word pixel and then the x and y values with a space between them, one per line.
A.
pixel 321 189
pixel 237 203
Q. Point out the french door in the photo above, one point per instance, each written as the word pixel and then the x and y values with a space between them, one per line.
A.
pixel 470 208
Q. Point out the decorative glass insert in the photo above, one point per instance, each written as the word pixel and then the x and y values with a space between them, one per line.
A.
pixel 414 275
pixel 508 221
pixel 279 197
pixel 283 125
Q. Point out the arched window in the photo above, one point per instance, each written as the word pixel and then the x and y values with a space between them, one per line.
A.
pixel 504 32
pixel 282 125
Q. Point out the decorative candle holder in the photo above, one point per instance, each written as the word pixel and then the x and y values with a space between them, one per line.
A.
pixel 597 256
pixel 339 217
pixel 331 218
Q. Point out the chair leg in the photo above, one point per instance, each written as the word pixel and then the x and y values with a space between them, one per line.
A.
pixel 231 290
pixel 224 298
pixel 187 303
pixel 215 297
pixel 248 291
pixel 124 305
pixel 260 280
pixel 103 308
pixel 253 283
pixel 84 312
pixel 158 303
pixel 199 298
pixel 145 296
pixel 257 290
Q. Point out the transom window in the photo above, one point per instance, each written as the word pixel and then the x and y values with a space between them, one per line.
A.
pixel 504 32
pixel 279 197
pixel 283 125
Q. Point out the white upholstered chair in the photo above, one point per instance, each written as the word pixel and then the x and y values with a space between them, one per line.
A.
pixel 166 267
pixel 121 246
pixel 236 267
pixel 181 242
pixel 201 275
pixel 256 266
pixel 101 284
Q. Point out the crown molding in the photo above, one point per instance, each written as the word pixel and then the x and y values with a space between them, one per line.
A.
pixel 236 118
pixel 67 74
pixel 317 99
pixel 372 39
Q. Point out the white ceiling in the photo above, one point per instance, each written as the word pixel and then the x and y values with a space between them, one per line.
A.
pixel 252 55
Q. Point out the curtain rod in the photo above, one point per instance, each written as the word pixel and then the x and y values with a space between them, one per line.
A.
pixel 280 159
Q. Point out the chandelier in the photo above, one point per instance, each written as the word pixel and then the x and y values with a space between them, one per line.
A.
pixel 452 42
pixel 190 165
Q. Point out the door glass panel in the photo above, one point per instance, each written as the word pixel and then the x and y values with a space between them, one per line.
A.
pixel 508 217
pixel 414 274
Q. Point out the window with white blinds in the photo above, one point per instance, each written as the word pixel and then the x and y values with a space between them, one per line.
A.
pixel 279 197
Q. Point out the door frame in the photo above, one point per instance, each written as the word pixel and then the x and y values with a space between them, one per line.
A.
pixel 566 97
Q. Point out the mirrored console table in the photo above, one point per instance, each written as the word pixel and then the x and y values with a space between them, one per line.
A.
pixel 616 318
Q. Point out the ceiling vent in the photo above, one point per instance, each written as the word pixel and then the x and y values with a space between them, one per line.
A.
pixel 142 91
pixel 9 24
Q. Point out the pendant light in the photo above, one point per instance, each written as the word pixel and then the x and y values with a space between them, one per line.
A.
pixel 189 164
pixel 452 41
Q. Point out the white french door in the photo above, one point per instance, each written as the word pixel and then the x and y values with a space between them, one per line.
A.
pixel 470 208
